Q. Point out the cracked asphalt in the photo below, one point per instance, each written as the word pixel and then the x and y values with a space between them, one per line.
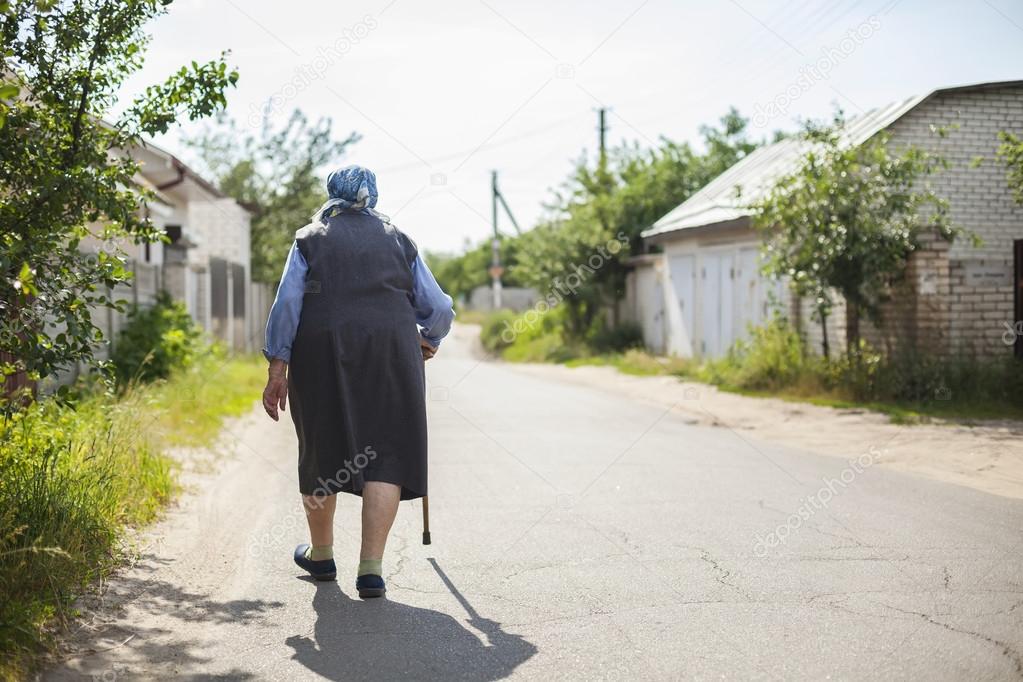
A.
pixel 577 535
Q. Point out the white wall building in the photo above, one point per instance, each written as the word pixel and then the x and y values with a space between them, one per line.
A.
pixel 207 261
pixel 703 291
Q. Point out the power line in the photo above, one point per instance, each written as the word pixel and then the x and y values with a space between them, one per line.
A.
pixel 493 145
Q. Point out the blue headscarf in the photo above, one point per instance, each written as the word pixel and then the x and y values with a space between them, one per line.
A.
pixel 349 188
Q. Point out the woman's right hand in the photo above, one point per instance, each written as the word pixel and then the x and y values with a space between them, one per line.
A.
pixel 429 350
pixel 276 392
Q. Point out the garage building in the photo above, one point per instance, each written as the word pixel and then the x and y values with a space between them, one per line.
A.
pixel 702 289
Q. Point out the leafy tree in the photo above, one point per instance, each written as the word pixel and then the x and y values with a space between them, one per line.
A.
pixel 275 173
pixel 1011 154
pixel 848 220
pixel 614 202
pixel 726 145
pixel 459 275
pixel 64 171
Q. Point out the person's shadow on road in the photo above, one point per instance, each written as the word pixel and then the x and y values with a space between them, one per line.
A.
pixel 384 640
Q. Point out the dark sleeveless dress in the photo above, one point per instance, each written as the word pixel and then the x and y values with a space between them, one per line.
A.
pixel 356 382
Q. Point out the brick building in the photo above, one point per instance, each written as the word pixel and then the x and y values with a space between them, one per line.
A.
pixel 205 262
pixel 703 290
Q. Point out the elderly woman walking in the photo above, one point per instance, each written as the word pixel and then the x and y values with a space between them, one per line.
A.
pixel 356 314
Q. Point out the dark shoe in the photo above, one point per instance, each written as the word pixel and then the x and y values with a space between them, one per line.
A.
pixel 321 570
pixel 370 585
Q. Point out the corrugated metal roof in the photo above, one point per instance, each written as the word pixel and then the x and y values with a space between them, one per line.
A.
pixel 728 196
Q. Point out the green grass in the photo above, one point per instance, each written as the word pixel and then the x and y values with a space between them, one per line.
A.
pixel 638 363
pixel 906 412
pixel 471 316
pixel 73 478
pixel 535 336
pixel 773 362
pixel 805 385
pixel 194 403
pixel 809 387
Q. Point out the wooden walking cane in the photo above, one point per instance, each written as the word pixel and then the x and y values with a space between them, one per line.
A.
pixel 426 498
pixel 426 519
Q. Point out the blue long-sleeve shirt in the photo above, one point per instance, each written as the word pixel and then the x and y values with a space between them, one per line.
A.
pixel 432 306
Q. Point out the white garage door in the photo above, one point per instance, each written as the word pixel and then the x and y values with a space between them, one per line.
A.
pixel 716 295
pixel 716 318
pixel 749 292
pixel 756 294
pixel 680 269
pixel 734 296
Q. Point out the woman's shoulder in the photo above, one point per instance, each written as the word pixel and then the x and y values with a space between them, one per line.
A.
pixel 313 228
pixel 407 245
pixel 405 239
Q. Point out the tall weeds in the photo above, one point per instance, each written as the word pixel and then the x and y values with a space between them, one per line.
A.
pixel 73 477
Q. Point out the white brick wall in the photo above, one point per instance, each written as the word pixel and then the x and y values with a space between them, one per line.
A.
pixel 221 229
pixel 970 316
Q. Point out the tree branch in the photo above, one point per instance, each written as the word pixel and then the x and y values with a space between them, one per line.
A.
pixel 83 101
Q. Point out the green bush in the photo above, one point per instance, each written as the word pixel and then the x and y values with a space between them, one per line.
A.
pixel 617 339
pixel 73 476
pixel 534 336
pixel 929 381
pixel 543 347
pixel 775 359
pixel 496 330
pixel 155 341
pixel 70 479
pixel 772 357
pixel 531 336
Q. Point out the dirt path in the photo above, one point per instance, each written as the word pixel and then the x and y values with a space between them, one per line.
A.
pixel 986 457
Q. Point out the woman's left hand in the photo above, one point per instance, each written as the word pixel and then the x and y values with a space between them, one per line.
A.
pixel 276 392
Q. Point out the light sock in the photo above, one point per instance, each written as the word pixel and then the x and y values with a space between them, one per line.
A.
pixel 371 567
pixel 321 553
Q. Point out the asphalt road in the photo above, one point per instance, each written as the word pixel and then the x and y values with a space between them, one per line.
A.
pixel 577 535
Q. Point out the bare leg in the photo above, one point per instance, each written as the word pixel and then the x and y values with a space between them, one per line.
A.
pixel 319 513
pixel 379 507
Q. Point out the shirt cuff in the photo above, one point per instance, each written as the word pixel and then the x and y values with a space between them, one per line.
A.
pixel 284 355
pixel 432 340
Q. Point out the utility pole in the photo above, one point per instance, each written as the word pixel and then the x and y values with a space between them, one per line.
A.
pixel 495 246
pixel 496 269
pixel 602 112
pixel 604 185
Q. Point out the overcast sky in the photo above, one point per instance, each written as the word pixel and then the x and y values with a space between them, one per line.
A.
pixel 444 92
